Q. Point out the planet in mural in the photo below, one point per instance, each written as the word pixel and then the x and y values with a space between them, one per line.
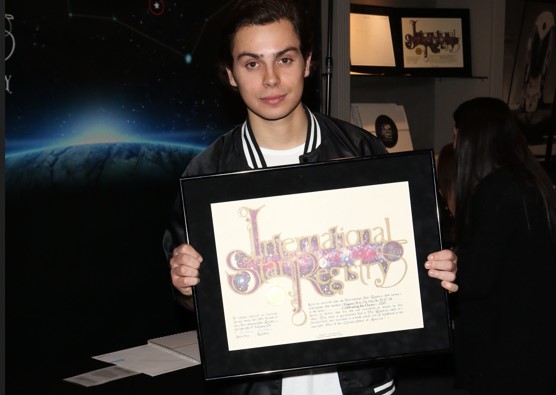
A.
pixel 94 165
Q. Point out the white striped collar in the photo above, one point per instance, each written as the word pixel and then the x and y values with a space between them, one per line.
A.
pixel 253 154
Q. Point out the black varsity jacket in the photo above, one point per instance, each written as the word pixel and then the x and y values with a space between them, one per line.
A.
pixel 237 150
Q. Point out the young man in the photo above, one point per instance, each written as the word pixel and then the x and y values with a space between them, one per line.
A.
pixel 266 57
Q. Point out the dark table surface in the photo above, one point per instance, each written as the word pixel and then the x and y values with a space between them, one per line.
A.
pixel 188 381
pixel 431 376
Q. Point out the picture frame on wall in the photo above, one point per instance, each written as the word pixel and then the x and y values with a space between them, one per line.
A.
pixel 387 121
pixel 532 82
pixel 316 265
pixel 410 41
pixel 435 42
pixel 374 40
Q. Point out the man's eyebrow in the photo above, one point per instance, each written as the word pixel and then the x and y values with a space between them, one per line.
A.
pixel 282 52
pixel 278 54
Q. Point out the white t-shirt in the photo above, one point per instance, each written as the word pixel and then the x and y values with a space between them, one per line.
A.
pixel 321 382
pixel 282 157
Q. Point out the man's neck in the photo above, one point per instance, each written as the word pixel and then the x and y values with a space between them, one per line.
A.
pixel 280 134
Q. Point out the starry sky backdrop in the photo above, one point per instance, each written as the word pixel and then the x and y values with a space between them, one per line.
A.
pixel 85 270
pixel 142 68
pixel 116 65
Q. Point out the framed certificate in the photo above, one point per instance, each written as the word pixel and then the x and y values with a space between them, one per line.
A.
pixel 436 42
pixel 316 265
pixel 373 39
pixel 429 42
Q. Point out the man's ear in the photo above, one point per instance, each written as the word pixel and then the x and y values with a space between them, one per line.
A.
pixel 231 78
pixel 308 65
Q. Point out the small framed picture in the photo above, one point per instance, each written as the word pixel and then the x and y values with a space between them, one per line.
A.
pixel 373 40
pixel 532 85
pixel 435 42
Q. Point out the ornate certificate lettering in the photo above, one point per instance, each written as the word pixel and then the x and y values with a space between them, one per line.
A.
pixel 433 42
pixel 318 265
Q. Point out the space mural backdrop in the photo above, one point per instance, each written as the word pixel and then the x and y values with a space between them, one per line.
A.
pixel 106 103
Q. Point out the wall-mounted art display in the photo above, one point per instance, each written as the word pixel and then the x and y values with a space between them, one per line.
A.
pixel 410 41
pixel 387 121
pixel 532 86
pixel 436 42
pixel 372 41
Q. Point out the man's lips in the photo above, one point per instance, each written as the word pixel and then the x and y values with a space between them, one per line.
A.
pixel 273 99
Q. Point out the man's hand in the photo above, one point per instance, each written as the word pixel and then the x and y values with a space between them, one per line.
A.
pixel 443 265
pixel 184 268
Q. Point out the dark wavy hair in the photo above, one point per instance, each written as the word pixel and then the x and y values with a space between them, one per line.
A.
pixel 446 174
pixel 243 13
pixel 489 137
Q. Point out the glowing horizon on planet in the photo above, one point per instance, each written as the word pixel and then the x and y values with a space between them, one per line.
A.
pixel 99 134
pixel 28 147
pixel 95 124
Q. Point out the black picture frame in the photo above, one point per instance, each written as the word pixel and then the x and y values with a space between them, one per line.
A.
pixel 390 35
pixel 435 41
pixel 431 42
pixel 532 81
pixel 203 196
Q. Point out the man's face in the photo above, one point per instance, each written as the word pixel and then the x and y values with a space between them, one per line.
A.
pixel 269 69
pixel 387 131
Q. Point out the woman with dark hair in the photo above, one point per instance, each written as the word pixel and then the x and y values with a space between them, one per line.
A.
pixel 446 175
pixel 505 326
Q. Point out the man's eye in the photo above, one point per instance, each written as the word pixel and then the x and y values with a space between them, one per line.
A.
pixel 251 65
pixel 285 60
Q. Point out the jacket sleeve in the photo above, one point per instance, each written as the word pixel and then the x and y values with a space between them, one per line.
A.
pixel 344 139
pixel 174 234
pixel 206 162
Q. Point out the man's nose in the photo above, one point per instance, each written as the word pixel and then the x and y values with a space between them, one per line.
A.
pixel 271 77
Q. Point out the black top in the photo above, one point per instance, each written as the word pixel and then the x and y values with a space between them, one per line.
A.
pixel 339 139
pixel 505 328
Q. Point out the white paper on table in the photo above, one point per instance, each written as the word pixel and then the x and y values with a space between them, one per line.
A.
pixel 101 376
pixel 147 359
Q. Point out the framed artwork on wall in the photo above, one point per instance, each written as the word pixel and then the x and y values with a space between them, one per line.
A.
pixel 387 121
pixel 532 85
pixel 373 39
pixel 410 41
pixel 435 42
